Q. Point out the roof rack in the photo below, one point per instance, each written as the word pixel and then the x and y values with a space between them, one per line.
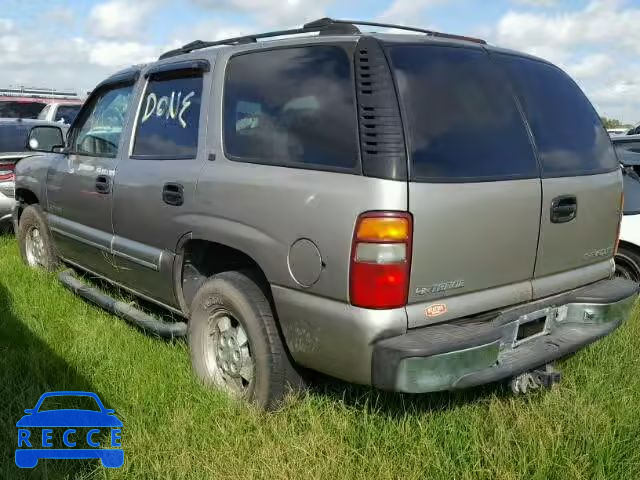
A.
pixel 323 26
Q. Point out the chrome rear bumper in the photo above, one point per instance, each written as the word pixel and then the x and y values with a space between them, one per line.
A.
pixel 460 355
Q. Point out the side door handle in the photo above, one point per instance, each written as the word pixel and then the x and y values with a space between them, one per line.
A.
pixel 564 209
pixel 103 184
pixel 173 194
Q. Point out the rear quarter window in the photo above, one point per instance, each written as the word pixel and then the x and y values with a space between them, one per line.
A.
pixel 462 120
pixel 292 107
pixel 569 135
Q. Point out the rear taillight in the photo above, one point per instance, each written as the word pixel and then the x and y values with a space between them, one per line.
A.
pixel 615 251
pixel 7 171
pixel 381 260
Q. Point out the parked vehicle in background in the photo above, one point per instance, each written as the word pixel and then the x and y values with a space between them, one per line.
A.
pixel 617 131
pixel 628 254
pixel 14 146
pixel 29 102
pixel 60 112
pixel 635 130
pixel 273 195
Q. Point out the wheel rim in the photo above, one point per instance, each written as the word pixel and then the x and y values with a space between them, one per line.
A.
pixel 627 268
pixel 229 359
pixel 34 247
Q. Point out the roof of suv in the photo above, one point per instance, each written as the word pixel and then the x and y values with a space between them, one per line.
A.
pixel 325 30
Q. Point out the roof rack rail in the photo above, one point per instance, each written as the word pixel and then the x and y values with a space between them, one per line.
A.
pixel 323 26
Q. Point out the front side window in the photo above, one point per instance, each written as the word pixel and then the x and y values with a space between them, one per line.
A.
pixel 568 133
pixel 292 107
pixel 169 118
pixel 98 133
pixel 460 115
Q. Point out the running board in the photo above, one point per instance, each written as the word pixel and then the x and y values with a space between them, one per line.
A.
pixel 128 312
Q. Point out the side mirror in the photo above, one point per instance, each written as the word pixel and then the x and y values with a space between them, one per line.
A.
pixel 45 139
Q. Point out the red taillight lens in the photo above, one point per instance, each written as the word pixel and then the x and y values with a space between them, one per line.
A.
pixel 7 171
pixel 381 260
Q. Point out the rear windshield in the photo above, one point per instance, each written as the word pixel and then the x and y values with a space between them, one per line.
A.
pixel 461 117
pixel 13 109
pixel 13 137
pixel 569 135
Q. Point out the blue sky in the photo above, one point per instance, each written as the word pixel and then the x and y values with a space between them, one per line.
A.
pixel 76 43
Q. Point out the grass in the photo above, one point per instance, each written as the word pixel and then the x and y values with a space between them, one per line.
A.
pixel 586 427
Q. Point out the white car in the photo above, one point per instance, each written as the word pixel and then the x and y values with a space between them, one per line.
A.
pixel 617 131
pixel 60 112
pixel 628 256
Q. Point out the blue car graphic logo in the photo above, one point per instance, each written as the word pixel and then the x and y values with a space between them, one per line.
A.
pixel 33 446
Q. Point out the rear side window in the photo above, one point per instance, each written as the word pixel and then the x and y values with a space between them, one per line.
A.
pixel 462 120
pixel 169 118
pixel 568 133
pixel 292 107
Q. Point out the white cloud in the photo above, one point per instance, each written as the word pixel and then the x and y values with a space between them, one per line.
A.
pixel 598 46
pixel 120 18
pixel 538 3
pixel 405 11
pixel 121 54
pixel 269 12
pixel 6 25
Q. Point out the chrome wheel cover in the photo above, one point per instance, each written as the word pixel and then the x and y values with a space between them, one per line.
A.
pixel 229 359
pixel 34 247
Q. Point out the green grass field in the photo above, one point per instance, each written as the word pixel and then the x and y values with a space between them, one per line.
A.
pixel 587 427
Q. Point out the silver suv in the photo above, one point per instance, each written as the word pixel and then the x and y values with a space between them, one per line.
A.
pixel 416 212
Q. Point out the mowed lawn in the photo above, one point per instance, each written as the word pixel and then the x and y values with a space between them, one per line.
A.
pixel 587 427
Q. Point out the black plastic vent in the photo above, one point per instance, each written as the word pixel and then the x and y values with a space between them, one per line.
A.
pixel 382 144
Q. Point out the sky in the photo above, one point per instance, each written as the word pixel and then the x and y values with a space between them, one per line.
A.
pixel 74 44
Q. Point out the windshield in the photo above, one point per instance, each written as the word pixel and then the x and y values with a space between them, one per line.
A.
pixel 66 402
pixel 13 109
pixel 67 113
pixel 13 137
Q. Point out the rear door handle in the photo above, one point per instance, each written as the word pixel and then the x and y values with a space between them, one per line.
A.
pixel 172 194
pixel 103 184
pixel 564 209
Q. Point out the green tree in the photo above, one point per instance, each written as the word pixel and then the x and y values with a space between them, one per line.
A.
pixel 612 123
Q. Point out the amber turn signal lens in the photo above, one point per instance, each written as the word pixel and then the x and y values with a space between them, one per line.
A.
pixel 386 229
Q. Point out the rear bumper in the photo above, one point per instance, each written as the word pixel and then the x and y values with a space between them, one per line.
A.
pixel 459 355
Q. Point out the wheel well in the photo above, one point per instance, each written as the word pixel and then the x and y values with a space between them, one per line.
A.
pixel 202 259
pixel 25 197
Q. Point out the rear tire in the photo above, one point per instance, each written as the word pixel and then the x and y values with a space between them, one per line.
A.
pixel 34 240
pixel 235 343
pixel 628 263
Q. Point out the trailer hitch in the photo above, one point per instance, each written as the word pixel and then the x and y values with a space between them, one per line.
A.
pixel 543 377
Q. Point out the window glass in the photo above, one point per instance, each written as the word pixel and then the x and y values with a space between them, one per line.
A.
pixel 569 135
pixel 15 109
pixel 461 117
pixel 292 107
pixel 67 113
pixel 169 118
pixel 99 131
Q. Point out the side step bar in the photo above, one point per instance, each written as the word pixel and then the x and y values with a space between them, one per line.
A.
pixel 131 314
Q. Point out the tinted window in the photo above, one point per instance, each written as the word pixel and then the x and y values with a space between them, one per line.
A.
pixel 67 113
pixel 169 118
pixel 292 107
pixel 461 118
pixel 13 109
pixel 13 138
pixel 568 133
pixel 98 133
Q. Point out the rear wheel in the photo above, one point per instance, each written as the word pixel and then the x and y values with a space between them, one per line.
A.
pixel 628 263
pixel 34 240
pixel 235 343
